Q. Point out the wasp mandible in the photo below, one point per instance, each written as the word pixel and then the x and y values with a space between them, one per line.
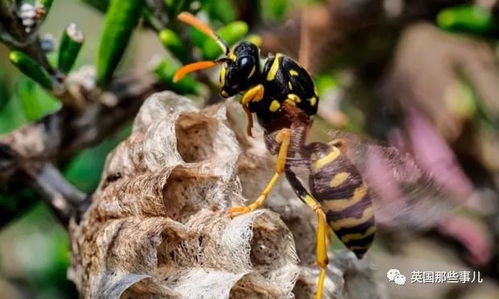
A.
pixel 283 97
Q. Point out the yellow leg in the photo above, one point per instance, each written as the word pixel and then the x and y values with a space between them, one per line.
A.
pixel 322 240
pixel 254 94
pixel 249 126
pixel 283 138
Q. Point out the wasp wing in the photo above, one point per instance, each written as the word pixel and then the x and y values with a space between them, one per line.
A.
pixel 405 196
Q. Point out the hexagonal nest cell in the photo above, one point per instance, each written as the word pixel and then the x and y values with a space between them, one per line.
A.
pixel 158 227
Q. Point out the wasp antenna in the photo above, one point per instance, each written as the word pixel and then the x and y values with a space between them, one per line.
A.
pixel 188 18
pixel 196 66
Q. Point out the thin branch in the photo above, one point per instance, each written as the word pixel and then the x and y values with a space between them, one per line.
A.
pixel 60 195
pixel 30 150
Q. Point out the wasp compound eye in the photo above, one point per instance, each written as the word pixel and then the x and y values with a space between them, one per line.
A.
pixel 245 63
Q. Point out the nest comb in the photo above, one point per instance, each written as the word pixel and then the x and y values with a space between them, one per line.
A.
pixel 157 226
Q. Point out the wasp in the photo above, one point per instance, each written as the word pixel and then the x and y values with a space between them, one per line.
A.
pixel 283 97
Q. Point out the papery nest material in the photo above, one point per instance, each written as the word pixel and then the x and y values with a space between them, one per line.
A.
pixel 158 224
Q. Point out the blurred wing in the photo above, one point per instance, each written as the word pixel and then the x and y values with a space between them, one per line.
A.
pixel 404 196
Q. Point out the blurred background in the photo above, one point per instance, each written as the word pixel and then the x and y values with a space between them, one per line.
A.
pixel 418 75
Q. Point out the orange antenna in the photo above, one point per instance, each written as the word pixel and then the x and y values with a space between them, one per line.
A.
pixel 196 66
pixel 188 18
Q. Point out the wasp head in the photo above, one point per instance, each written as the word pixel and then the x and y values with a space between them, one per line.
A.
pixel 241 69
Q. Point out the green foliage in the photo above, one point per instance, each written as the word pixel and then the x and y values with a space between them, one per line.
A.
pixel 172 42
pixel 166 68
pixel 121 19
pixel 4 89
pixel 467 19
pixel 220 10
pixel 274 10
pixel 232 33
pixel 84 170
pixel 47 4
pixel 31 68
pixel 325 82
pixel 26 101
pixel 15 200
pixel 35 102
pixel 71 42
pixel 177 6
pixel 39 250
pixel 12 115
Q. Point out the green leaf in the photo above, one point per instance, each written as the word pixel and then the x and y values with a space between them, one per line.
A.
pixel 31 68
pixel 12 115
pixel 47 4
pixel 35 102
pixel 172 42
pixel 220 10
pixel 255 39
pixel 326 82
pixel 467 18
pixel 165 69
pixel 31 107
pixel 121 19
pixel 275 10
pixel 231 33
pixel 71 42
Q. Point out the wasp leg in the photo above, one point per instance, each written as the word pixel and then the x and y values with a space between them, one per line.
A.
pixel 283 138
pixel 250 121
pixel 322 228
pixel 254 94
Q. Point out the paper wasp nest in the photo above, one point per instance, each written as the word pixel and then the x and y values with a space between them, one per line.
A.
pixel 158 227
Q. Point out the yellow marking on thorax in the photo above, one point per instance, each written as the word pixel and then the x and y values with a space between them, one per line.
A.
pixel 313 101
pixel 290 86
pixel 274 68
pixel 293 73
pixel 274 106
pixel 359 236
pixel 341 204
pixel 290 102
pixel 338 179
pixel 352 221
pixel 223 72
pixel 294 98
pixel 335 153
pixel 232 56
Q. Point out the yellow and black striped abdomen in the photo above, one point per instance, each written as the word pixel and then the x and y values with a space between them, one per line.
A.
pixel 344 197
